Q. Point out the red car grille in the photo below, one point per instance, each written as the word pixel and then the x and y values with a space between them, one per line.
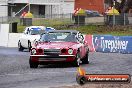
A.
pixel 52 51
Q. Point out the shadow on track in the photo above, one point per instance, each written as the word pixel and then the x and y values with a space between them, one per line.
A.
pixel 56 66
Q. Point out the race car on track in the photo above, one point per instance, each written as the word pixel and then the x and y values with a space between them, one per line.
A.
pixel 59 46
pixel 30 34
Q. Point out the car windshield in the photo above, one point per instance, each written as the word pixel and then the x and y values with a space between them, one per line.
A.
pixel 35 31
pixel 55 37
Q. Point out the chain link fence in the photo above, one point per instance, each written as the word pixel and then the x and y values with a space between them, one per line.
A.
pixel 69 19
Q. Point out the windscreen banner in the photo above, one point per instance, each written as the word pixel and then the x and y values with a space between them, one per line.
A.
pixel 109 43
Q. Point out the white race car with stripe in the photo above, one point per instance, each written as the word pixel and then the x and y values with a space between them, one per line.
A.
pixel 30 34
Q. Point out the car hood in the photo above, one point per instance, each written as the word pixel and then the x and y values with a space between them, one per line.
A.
pixel 33 37
pixel 56 45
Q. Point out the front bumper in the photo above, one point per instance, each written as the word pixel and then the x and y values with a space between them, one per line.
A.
pixel 51 55
pixel 53 58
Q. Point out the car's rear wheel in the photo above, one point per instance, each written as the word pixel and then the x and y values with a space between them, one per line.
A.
pixel 32 64
pixel 20 48
pixel 86 59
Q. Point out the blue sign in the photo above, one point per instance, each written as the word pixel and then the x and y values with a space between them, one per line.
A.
pixel 109 43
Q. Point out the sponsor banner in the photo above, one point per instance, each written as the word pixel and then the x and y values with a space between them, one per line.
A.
pixel 108 43
pixel 103 78
pixel 83 78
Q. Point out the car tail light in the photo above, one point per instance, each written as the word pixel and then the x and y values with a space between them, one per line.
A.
pixel 63 51
pixel 40 51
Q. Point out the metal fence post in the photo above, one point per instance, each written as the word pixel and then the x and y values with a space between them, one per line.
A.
pixel 114 13
pixel 124 18
pixel 70 18
pixel 113 20
pixel 78 20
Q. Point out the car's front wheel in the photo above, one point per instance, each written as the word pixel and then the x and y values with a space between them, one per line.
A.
pixel 76 62
pixel 86 59
pixel 20 48
pixel 32 64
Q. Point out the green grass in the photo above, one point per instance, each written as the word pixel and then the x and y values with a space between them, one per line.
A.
pixel 45 22
pixel 51 22
pixel 104 30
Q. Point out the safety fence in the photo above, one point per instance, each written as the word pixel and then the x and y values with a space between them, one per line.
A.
pixel 69 19
pixel 109 43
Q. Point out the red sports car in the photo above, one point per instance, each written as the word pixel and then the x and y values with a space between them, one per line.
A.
pixel 59 46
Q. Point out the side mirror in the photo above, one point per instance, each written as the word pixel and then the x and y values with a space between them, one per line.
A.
pixel 36 42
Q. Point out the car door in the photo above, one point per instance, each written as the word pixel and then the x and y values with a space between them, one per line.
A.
pixel 25 38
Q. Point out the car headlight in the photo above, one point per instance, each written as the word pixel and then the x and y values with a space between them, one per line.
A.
pixel 33 51
pixel 70 51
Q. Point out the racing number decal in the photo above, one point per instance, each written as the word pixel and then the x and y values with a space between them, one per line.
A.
pixel 80 37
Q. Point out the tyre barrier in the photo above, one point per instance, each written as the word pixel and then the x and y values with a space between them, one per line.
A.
pixel 109 43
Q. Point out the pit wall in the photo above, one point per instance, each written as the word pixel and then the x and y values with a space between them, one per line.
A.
pixel 109 43
pixel 8 39
pixel 4 34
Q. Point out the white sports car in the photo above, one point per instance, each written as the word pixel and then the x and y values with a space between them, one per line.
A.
pixel 30 34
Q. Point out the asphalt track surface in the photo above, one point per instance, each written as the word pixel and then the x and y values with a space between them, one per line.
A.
pixel 15 71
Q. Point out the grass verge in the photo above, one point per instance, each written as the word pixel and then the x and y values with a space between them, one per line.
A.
pixel 93 29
